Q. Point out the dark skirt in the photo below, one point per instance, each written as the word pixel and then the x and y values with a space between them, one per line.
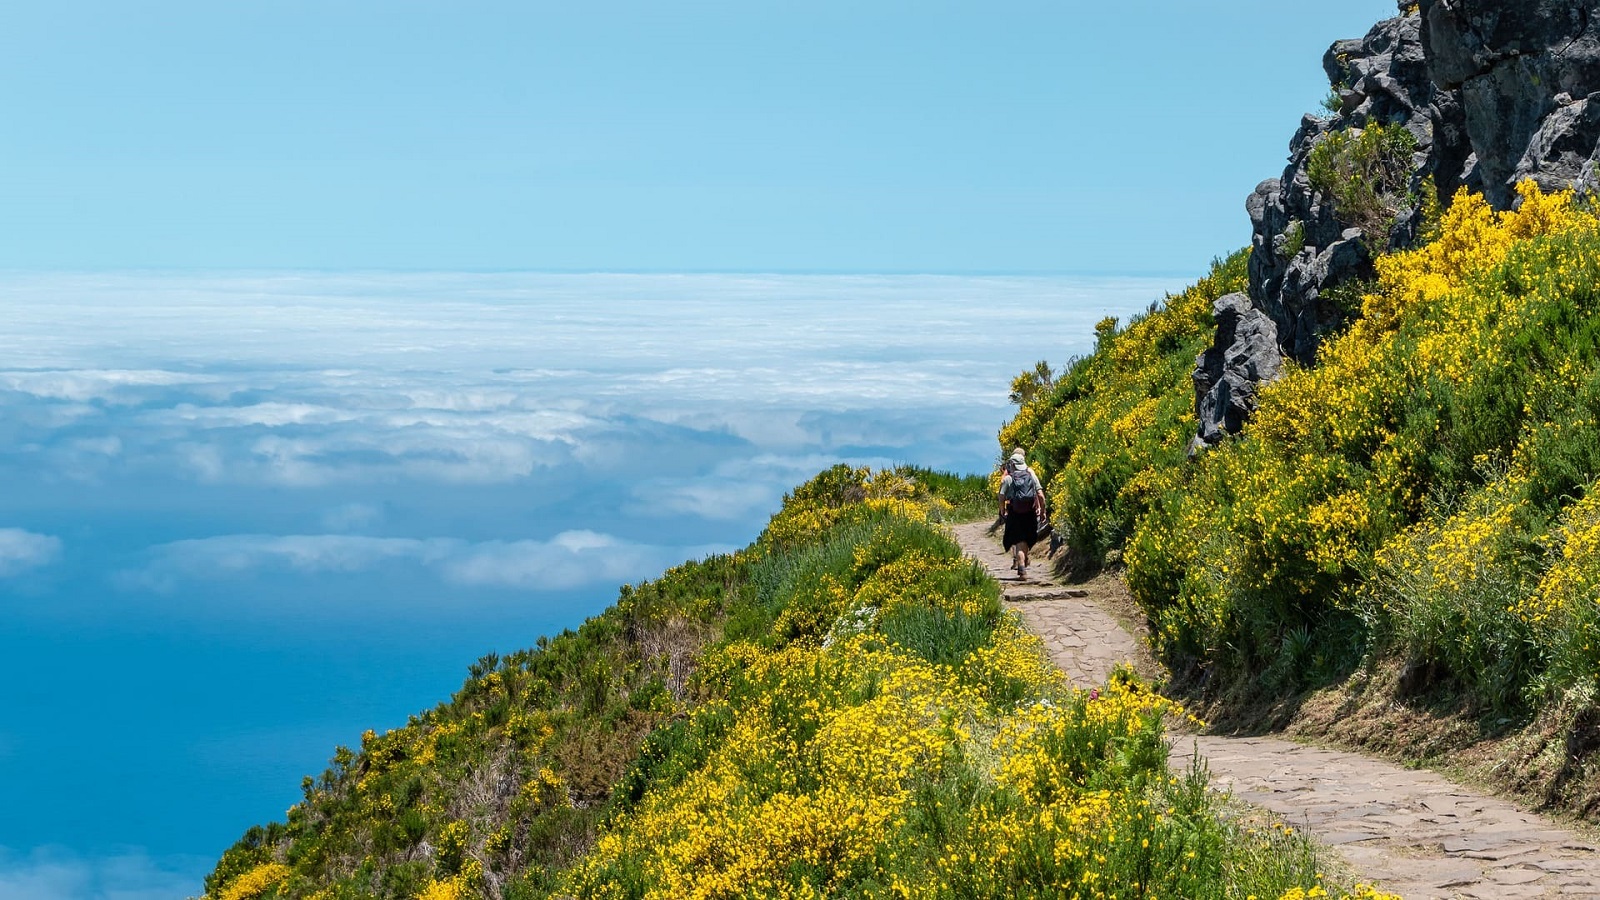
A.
pixel 1022 525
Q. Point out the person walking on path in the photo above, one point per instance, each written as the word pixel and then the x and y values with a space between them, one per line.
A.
pixel 1020 495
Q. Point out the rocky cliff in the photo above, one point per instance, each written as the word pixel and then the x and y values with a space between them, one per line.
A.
pixel 1486 92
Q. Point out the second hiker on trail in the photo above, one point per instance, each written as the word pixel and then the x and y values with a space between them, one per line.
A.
pixel 1020 495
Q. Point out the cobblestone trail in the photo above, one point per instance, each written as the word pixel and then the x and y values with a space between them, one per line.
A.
pixel 1413 833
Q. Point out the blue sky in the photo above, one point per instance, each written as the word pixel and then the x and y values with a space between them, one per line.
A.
pixel 701 136
pixel 293 429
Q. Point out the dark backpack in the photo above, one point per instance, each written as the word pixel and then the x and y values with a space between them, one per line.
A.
pixel 1024 485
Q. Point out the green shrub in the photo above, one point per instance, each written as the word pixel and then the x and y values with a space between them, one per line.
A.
pixel 940 637
pixel 1449 591
pixel 518 770
pixel 1366 172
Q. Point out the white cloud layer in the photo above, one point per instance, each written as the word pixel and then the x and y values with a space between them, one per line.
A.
pixel 567 560
pixel 22 550
pixel 313 380
pixel 570 559
pixel 104 386
pixel 300 423
pixel 58 874
pixel 734 489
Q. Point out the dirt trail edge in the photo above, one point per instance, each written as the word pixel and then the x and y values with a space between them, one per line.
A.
pixel 1413 833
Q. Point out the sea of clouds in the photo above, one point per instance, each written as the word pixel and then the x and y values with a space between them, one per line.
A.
pixel 314 477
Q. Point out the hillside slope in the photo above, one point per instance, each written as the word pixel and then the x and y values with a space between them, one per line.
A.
pixel 841 710
pixel 1420 502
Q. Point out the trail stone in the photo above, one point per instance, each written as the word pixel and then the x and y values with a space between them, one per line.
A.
pixel 1500 854
pixel 1335 838
pixel 1515 876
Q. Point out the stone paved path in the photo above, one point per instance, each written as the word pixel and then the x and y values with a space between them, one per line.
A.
pixel 1413 833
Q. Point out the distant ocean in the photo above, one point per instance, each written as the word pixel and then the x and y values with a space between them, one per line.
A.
pixel 249 515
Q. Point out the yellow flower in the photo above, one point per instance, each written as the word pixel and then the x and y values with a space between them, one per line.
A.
pixel 255 882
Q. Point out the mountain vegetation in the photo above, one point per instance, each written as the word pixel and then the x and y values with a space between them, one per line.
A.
pixel 1423 497
pixel 840 710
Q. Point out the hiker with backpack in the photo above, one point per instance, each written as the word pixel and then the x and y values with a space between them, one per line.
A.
pixel 1021 497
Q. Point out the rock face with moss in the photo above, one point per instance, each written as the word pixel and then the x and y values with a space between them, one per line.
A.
pixel 1479 94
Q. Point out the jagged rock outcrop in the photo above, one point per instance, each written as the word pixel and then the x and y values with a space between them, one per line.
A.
pixel 1518 66
pixel 1302 243
pixel 1225 380
pixel 1491 91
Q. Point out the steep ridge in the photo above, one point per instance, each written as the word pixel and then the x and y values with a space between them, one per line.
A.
pixel 1413 833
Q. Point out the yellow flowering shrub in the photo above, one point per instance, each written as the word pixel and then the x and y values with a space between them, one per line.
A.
pixel 464 886
pixel 256 882
pixel 1053 751
pixel 1565 610
pixel 804 778
pixel 926 748
pixel 1453 589
pixel 1475 354
pixel 1362 892
pixel 1461 550
pixel 1014 662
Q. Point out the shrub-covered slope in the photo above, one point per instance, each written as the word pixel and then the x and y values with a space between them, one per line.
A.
pixel 1110 436
pixel 1423 493
pixel 841 710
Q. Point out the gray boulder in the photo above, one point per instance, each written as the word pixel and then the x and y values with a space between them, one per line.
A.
pixel 1561 153
pixel 1227 375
